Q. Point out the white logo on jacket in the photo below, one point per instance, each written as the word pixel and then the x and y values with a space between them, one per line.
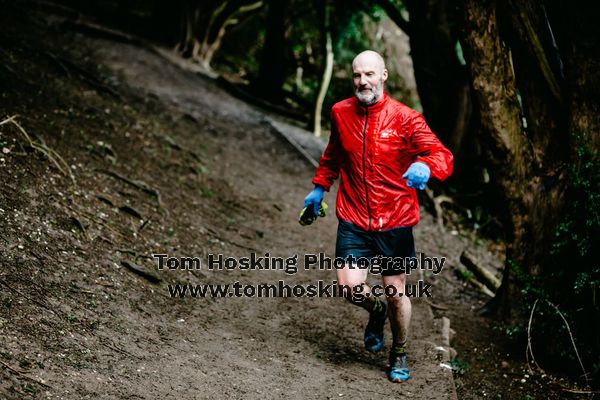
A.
pixel 386 133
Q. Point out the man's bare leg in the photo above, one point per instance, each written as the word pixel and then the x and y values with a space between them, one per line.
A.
pixel 399 312
pixel 399 309
pixel 351 278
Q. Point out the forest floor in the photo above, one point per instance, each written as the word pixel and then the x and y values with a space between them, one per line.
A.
pixel 164 161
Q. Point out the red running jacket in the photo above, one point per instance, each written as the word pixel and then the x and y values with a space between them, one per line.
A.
pixel 371 147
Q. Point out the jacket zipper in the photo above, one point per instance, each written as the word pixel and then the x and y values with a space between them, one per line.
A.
pixel 365 164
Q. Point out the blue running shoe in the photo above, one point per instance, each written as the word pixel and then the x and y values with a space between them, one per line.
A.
pixel 374 330
pixel 398 370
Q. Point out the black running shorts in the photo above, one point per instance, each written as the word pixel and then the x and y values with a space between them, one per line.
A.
pixel 387 252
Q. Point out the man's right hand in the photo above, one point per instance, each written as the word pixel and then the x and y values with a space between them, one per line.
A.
pixel 314 198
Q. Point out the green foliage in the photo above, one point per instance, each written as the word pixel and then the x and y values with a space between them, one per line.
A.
pixel 354 29
pixel 459 366
pixel 201 169
pixel 579 230
pixel 30 389
pixel 515 332
pixel 531 285
pixel 350 38
pixel 466 275
pixel 241 50
pixel 572 276
pixel 208 194
pixel 573 252
pixel 92 303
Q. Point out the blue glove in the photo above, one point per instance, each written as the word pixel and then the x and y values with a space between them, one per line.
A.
pixel 314 198
pixel 417 174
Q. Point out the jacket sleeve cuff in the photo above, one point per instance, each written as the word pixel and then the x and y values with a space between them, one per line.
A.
pixel 322 183
pixel 436 173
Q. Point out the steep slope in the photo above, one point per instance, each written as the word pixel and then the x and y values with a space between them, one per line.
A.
pixel 123 155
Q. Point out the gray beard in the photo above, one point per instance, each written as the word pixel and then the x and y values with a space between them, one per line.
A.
pixel 369 98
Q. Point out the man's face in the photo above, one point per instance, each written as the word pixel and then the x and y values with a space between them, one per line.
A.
pixel 368 76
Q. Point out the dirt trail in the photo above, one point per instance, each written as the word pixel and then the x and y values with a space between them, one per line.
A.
pixel 88 328
pixel 299 347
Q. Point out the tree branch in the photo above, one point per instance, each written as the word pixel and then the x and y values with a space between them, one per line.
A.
pixel 538 50
pixel 395 15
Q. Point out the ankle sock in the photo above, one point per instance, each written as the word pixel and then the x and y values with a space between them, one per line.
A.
pixel 399 348
pixel 377 305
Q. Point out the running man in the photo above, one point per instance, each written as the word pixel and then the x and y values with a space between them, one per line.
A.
pixel 382 151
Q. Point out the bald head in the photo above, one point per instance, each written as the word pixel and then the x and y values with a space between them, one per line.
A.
pixel 368 76
pixel 369 57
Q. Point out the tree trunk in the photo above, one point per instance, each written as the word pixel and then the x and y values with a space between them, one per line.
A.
pixel 508 150
pixel 529 164
pixel 441 79
pixel 529 36
pixel 578 41
pixel 188 45
pixel 328 69
pixel 538 167
pixel 229 14
pixel 272 72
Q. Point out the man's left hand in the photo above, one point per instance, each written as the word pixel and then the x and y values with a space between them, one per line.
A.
pixel 417 175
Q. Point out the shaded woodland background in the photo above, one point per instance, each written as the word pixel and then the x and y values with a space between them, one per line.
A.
pixel 511 87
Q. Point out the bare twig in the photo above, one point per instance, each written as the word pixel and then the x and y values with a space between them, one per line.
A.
pixel 106 343
pixel 437 204
pixel 88 77
pixel 585 374
pixel 171 142
pixel 22 373
pixel 144 224
pixel 529 351
pixel 141 185
pixel 578 391
pixel 81 291
pixel 27 297
pixel 81 227
pixel 433 305
pixel 241 246
pixel 97 220
pixel 52 155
